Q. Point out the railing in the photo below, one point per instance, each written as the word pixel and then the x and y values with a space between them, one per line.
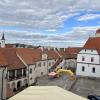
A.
pixel 11 78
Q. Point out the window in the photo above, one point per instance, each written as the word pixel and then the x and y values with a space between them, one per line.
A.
pixel 83 68
pixel 43 63
pixel 41 73
pixel 49 63
pixel 34 68
pixel 85 50
pixel 83 59
pixel 39 64
pixel 92 59
pixel 31 78
pixel 52 63
pixel 30 70
pixel 91 50
pixel 93 69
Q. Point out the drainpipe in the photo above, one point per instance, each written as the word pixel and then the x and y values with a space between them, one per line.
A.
pixel 2 84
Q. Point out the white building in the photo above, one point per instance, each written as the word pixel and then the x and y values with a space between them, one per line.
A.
pixel 88 59
pixel 3 81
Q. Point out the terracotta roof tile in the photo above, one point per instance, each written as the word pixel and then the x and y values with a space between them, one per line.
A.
pixel 72 52
pixel 11 58
pixel 98 31
pixel 3 61
pixel 30 56
pixel 93 43
pixel 52 54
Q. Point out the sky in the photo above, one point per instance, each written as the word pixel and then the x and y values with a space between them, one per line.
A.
pixel 56 23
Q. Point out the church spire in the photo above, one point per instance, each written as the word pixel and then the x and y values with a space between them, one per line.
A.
pixel 3 37
pixel 3 41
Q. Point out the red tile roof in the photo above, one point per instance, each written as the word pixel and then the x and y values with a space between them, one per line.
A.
pixel 30 56
pixel 93 43
pixel 3 61
pixel 9 46
pixel 71 52
pixel 52 54
pixel 62 53
pixel 11 58
pixel 98 31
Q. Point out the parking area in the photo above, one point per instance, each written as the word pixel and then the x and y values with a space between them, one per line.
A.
pixel 63 81
pixel 82 86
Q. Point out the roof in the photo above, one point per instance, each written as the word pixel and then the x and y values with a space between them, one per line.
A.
pixel 3 61
pixel 57 63
pixel 72 52
pixel 3 38
pixel 30 56
pixel 61 52
pixel 52 54
pixel 93 43
pixel 10 57
pixel 46 93
pixel 98 31
pixel 9 45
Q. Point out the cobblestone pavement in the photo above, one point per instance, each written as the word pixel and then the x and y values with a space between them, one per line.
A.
pixel 82 86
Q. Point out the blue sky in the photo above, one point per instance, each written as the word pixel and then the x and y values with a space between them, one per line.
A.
pixel 57 23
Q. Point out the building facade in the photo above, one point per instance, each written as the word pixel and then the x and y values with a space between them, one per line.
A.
pixel 88 59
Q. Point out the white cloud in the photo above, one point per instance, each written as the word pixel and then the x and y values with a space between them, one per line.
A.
pixel 76 37
pixel 88 17
pixel 47 15
pixel 42 14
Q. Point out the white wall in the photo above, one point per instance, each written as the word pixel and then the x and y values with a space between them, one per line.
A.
pixel 3 74
pixel 41 70
pixel 70 63
pixel 15 81
pixel 88 70
pixel 2 43
pixel 52 61
pixel 32 75
pixel 84 51
pixel 87 54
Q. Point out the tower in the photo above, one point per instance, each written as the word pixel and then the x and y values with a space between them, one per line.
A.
pixel 97 34
pixel 3 41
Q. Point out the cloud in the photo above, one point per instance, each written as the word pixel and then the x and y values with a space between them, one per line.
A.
pixel 42 14
pixel 88 17
pixel 47 16
pixel 76 37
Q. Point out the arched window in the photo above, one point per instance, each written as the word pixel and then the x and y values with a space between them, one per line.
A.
pixel 93 69
pixel 83 68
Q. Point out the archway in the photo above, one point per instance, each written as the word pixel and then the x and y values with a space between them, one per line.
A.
pixel 18 84
pixel 13 86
